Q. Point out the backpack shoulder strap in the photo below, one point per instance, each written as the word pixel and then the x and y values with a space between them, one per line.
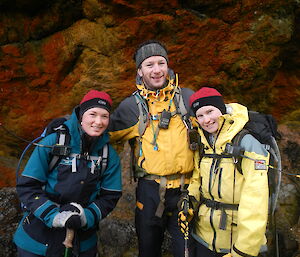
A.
pixel 143 112
pixel 62 148
pixel 178 100
pixel 236 142
pixel 104 161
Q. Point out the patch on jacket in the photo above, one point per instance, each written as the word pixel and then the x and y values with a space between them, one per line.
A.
pixel 260 165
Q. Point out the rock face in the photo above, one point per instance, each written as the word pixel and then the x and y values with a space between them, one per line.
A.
pixel 9 218
pixel 53 52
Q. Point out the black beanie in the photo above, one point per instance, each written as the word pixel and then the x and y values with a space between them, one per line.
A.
pixel 207 96
pixel 148 49
pixel 93 99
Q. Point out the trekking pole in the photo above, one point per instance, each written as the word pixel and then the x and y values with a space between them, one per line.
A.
pixel 186 232
pixel 68 241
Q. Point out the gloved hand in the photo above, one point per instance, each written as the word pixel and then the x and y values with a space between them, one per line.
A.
pixel 67 219
pixel 74 222
pixel 184 219
pixel 76 208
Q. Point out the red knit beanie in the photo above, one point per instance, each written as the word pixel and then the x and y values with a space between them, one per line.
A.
pixel 93 99
pixel 207 96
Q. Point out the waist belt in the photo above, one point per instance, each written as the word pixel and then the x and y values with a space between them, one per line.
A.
pixel 163 187
pixel 219 205
pixel 215 205
pixel 168 177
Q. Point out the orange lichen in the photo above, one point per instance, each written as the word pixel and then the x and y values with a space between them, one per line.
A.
pixel 7 177
pixel 11 50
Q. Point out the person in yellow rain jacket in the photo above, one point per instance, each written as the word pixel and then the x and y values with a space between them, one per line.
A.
pixel 156 116
pixel 232 211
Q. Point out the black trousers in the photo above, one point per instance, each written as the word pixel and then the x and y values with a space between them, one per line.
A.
pixel 198 250
pixel 150 229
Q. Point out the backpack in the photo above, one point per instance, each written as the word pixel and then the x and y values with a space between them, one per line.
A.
pixel 264 128
pixel 61 149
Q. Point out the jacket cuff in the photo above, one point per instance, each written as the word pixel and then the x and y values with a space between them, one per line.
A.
pixel 47 212
pixel 93 215
pixel 237 253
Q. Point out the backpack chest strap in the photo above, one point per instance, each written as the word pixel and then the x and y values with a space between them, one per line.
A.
pixel 215 205
pixel 95 160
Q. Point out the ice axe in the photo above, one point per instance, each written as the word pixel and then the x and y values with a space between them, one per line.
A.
pixel 68 242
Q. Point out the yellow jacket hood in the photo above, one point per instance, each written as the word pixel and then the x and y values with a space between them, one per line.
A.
pixel 170 154
pixel 216 178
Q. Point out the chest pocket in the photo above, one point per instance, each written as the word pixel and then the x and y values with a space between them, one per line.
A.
pixel 78 179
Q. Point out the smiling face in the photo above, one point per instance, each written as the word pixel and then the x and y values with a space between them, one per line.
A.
pixel 208 118
pixel 154 71
pixel 95 121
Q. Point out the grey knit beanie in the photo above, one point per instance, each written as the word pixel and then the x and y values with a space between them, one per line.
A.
pixel 148 50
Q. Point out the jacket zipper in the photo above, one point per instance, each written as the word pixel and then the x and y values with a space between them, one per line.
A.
pixel 220 182
pixel 212 171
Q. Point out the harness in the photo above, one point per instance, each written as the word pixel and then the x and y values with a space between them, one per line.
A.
pixel 236 152
pixel 145 119
pixel 145 116
pixel 232 151
pixel 220 206
pixel 62 149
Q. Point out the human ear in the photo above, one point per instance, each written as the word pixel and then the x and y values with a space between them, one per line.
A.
pixel 140 72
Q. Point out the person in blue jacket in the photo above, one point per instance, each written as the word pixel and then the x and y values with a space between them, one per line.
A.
pixel 77 193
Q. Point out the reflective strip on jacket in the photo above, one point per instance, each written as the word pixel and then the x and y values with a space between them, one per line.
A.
pixel 245 228
pixel 173 155
pixel 43 192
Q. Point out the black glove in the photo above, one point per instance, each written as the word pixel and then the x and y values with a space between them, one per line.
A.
pixel 69 207
pixel 185 213
pixel 75 208
pixel 184 219
pixel 74 222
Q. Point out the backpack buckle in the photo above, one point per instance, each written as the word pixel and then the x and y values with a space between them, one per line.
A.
pixel 61 150
pixel 234 150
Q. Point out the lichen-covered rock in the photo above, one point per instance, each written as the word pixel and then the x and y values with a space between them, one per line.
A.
pixel 9 219
pixel 50 57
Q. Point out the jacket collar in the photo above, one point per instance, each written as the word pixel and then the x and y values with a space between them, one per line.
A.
pixel 233 122
pixel 160 94
pixel 74 129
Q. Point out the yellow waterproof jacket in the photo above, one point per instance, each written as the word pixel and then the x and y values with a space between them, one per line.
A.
pixel 244 231
pixel 170 154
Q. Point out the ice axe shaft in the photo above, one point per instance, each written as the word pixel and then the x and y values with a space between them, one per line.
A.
pixel 68 242
pixel 69 238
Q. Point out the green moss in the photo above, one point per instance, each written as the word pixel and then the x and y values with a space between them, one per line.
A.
pixel 292 120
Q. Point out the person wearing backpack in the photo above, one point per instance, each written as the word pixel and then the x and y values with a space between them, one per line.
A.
pixel 80 190
pixel 155 120
pixel 230 206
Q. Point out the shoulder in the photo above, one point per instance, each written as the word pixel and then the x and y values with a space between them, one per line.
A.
pixel 113 153
pixel 125 116
pixel 186 93
pixel 48 140
pixel 128 104
pixel 251 144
